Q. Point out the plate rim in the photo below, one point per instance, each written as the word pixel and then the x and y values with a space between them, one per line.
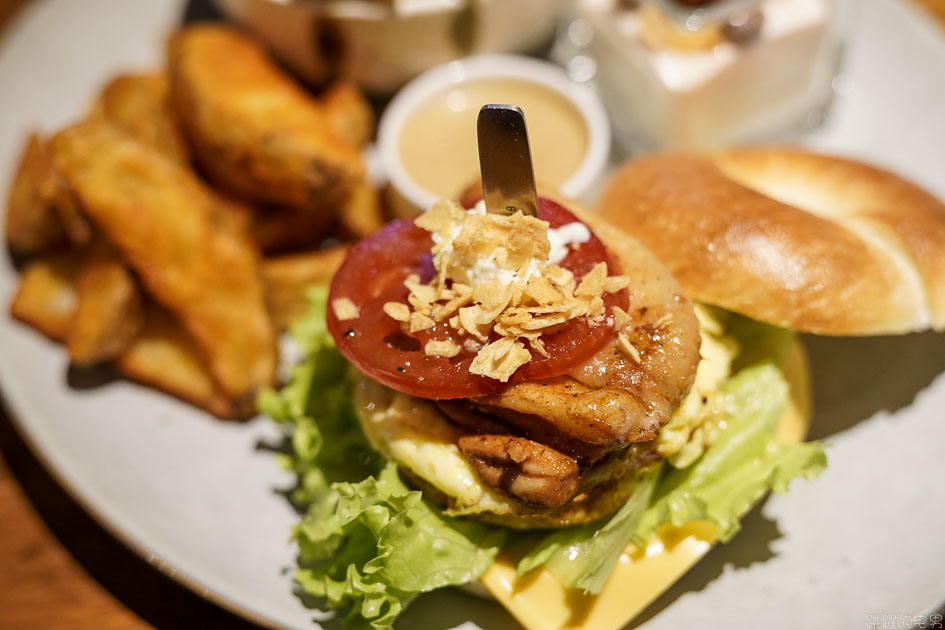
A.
pixel 18 409
pixel 13 410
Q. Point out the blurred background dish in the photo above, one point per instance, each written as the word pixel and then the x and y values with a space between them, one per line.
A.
pixel 427 134
pixel 681 74
pixel 382 45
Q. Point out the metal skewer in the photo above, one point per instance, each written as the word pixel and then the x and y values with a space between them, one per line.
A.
pixel 505 161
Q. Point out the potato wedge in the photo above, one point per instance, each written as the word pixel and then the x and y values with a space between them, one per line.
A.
pixel 361 214
pixel 165 357
pixel 349 114
pixel 287 276
pixel 188 254
pixel 41 212
pixel 47 297
pixel 279 230
pixel 110 310
pixel 31 222
pixel 139 105
pixel 73 221
pixel 255 131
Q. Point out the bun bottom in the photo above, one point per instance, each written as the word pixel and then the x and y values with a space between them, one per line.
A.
pixel 538 600
pixel 414 433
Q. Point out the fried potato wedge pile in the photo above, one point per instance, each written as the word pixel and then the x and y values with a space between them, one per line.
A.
pixel 130 257
pixel 166 224
pixel 256 132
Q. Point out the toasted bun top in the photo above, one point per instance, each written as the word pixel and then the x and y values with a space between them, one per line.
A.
pixel 805 241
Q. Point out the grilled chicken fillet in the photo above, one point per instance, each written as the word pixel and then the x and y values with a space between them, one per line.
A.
pixel 542 451
pixel 573 421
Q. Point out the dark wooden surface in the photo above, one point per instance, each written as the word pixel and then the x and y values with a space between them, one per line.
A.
pixel 60 569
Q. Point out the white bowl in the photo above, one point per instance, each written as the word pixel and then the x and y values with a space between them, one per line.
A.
pixel 382 46
pixel 579 186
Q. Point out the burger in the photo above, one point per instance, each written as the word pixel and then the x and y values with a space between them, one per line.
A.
pixel 537 402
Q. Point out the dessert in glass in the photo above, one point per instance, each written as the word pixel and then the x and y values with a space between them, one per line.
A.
pixel 704 73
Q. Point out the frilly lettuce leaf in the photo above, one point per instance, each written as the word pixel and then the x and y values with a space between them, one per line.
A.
pixel 366 541
pixel 374 545
pixel 316 405
pixel 584 556
pixel 743 463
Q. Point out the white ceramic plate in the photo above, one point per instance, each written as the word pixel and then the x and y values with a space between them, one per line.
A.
pixel 198 497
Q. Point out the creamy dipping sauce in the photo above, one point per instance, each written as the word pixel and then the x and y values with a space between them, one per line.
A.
pixel 438 145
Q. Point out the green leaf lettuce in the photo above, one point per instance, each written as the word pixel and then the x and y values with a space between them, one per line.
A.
pixel 742 464
pixel 370 544
pixel 366 541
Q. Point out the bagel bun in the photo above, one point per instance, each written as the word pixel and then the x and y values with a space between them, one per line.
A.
pixel 809 242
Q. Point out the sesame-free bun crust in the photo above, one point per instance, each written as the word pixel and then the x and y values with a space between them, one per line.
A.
pixel 809 242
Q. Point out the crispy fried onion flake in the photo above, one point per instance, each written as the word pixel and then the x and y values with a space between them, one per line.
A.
pixel 494 277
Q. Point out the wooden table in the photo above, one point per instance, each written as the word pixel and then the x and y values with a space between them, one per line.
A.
pixel 59 569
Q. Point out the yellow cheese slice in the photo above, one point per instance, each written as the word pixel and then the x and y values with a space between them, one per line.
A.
pixel 540 602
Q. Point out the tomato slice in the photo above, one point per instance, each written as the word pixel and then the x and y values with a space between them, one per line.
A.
pixel 373 274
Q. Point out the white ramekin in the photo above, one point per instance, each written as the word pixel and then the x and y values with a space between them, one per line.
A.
pixel 579 186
